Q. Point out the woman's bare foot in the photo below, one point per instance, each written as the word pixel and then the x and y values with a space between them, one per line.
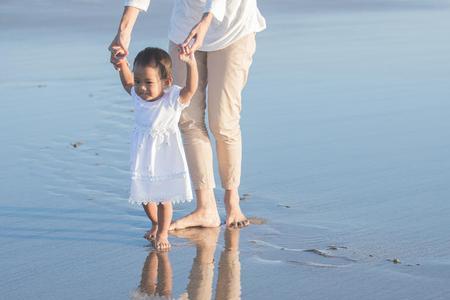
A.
pixel 205 215
pixel 151 234
pixel 198 218
pixel 235 217
pixel 161 242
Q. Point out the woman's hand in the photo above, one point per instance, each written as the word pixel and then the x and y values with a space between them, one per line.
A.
pixel 119 49
pixel 195 38
pixel 119 46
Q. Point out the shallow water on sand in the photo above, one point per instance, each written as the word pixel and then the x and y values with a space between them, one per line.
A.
pixel 346 160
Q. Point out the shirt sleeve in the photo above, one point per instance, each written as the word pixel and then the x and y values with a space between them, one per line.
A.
pixel 216 7
pixel 175 98
pixel 133 94
pixel 140 4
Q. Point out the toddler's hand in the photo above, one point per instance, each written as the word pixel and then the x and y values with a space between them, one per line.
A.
pixel 118 56
pixel 184 56
pixel 121 63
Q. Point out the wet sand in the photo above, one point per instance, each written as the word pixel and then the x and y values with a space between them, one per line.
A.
pixel 346 159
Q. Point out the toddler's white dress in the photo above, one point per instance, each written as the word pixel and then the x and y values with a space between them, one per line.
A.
pixel 159 171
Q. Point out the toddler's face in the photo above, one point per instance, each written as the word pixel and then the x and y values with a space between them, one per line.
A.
pixel 148 83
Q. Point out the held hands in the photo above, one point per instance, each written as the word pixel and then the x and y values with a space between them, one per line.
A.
pixel 185 56
pixel 119 49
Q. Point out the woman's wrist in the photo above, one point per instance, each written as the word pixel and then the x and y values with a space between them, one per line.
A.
pixel 124 30
pixel 207 17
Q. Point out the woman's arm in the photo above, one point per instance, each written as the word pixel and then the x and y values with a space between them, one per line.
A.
pixel 190 88
pixel 119 46
pixel 195 38
pixel 213 9
pixel 126 76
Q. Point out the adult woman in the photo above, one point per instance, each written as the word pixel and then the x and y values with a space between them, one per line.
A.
pixel 222 35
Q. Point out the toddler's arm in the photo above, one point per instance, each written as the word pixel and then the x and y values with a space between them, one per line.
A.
pixel 126 76
pixel 190 88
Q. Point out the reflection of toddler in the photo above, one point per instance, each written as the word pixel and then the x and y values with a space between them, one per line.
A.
pixel 156 279
pixel 159 172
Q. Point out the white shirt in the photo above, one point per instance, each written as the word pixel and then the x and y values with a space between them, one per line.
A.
pixel 232 20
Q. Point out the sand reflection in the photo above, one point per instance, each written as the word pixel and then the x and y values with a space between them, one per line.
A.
pixel 156 282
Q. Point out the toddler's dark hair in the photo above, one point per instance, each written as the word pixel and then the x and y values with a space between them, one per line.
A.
pixel 155 58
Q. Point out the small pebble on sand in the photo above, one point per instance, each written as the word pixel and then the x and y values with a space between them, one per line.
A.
pixel 395 261
pixel 244 196
pixel 285 206
pixel 76 145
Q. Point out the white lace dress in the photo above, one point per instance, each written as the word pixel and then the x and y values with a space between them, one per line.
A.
pixel 159 170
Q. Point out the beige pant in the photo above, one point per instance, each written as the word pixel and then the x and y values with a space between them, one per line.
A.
pixel 222 76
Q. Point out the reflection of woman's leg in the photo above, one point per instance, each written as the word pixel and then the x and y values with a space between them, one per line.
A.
pixel 197 146
pixel 227 75
pixel 229 280
pixel 202 272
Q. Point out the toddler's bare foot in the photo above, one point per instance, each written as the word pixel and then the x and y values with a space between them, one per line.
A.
pixel 235 217
pixel 198 218
pixel 161 242
pixel 151 234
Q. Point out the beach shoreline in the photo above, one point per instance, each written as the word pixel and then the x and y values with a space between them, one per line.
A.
pixel 345 160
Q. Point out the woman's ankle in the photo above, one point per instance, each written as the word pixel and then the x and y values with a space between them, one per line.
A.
pixel 206 201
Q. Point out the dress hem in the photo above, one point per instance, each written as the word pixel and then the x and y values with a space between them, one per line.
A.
pixel 174 200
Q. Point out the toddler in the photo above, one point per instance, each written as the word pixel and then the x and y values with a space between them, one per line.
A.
pixel 159 172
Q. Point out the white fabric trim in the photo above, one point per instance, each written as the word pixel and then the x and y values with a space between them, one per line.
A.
pixel 141 4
